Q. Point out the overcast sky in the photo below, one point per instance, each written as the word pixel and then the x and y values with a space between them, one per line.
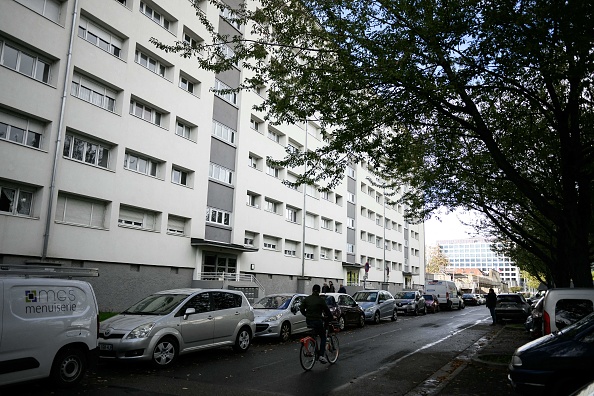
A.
pixel 448 228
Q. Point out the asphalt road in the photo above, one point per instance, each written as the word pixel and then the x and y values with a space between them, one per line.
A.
pixel 392 358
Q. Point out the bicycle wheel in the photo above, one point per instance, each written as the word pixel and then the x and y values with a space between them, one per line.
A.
pixel 307 355
pixel 332 349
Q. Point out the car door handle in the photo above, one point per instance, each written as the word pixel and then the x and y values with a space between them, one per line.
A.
pixel 210 318
pixel 236 313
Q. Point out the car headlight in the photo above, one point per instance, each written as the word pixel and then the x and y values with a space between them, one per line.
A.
pixel 370 309
pixel 516 361
pixel 273 318
pixel 141 331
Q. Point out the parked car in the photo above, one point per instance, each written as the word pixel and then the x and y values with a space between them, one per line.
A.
pixel 345 310
pixel 556 364
pixel 431 302
pixel 278 315
pixel 470 299
pixel 511 306
pixel 377 305
pixel 166 324
pixel 481 300
pixel 564 306
pixel 410 302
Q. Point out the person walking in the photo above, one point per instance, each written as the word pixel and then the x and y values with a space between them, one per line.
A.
pixel 491 301
pixel 317 314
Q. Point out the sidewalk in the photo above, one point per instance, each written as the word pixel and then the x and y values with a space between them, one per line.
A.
pixel 485 371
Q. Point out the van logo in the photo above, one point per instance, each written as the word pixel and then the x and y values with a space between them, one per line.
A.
pixel 107 332
pixel 30 296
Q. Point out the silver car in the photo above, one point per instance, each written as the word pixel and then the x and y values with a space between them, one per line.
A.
pixel 166 324
pixel 377 305
pixel 278 315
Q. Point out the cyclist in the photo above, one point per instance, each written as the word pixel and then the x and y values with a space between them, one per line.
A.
pixel 316 314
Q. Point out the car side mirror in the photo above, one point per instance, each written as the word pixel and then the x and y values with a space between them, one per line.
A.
pixel 189 311
pixel 294 310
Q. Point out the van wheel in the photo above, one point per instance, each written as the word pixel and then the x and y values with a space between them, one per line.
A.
pixel 243 340
pixel 285 332
pixel 165 352
pixel 69 366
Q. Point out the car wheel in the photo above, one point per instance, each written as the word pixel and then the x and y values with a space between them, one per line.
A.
pixel 285 332
pixel 165 352
pixel 69 366
pixel 394 316
pixel 424 310
pixel 361 321
pixel 376 317
pixel 341 323
pixel 243 340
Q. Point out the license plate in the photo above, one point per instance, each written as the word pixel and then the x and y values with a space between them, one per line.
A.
pixel 105 347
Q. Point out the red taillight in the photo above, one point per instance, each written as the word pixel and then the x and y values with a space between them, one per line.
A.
pixel 546 320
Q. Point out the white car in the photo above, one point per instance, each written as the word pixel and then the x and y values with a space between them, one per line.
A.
pixel 480 299
pixel 166 324
pixel 278 315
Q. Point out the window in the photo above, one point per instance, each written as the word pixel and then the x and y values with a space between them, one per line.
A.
pixel 20 130
pixel 99 37
pixel 350 222
pixel 270 206
pixel 291 214
pixel 85 150
pixel 311 190
pixel 154 16
pixel 176 225
pixel 338 200
pixel 81 211
pixel 249 238
pixel 93 92
pixel 226 13
pixel 270 242
pixel 253 161
pixel 337 255
pixel 324 253
pixel 275 172
pixel 350 248
pixel 223 132
pixel 351 197
pixel 137 218
pixel 218 216
pixel 325 195
pixel 378 219
pixel 290 248
pixel 179 176
pixel 16 200
pixel 252 200
pixel 145 112
pixel 255 124
pixel 220 173
pixel 48 8
pixel 227 52
pixel 191 41
pixel 24 62
pixel 370 238
pixel 309 252
pixel 378 242
pixel 338 227
pixel 326 223
pixel 183 130
pixel 149 62
pixel 310 220
pixel 273 136
pixel 141 164
pixel 228 96
pixel 350 172
pixel 187 85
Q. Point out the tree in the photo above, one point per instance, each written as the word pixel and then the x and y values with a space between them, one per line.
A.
pixel 437 261
pixel 481 105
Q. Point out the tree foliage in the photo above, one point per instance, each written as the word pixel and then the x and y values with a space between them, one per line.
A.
pixel 479 104
pixel 437 261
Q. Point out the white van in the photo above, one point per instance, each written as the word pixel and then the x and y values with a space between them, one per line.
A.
pixel 564 306
pixel 48 326
pixel 446 292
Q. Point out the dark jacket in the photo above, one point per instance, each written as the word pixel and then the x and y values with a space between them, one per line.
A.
pixel 313 307
pixel 342 289
pixel 491 300
pixel 331 289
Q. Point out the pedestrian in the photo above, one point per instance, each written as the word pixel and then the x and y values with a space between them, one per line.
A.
pixel 331 288
pixel 491 301
pixel 325 288
pixel 341 289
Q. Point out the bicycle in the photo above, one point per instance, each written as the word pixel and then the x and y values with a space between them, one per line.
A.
pixel 308 353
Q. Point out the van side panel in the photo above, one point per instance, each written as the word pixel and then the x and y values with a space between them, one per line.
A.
pixel 40 316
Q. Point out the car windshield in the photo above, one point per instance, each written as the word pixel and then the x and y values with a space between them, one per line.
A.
pixel 427 297
pixel 406 295
pixel 156 304
pixel 577 327
pixel 362 296
pixel 273 302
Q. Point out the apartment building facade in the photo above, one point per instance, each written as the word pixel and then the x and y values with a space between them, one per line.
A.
pixel 477 253
pixel 119 156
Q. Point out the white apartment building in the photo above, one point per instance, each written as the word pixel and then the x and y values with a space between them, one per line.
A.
pixel 118 156
pixel 477 253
